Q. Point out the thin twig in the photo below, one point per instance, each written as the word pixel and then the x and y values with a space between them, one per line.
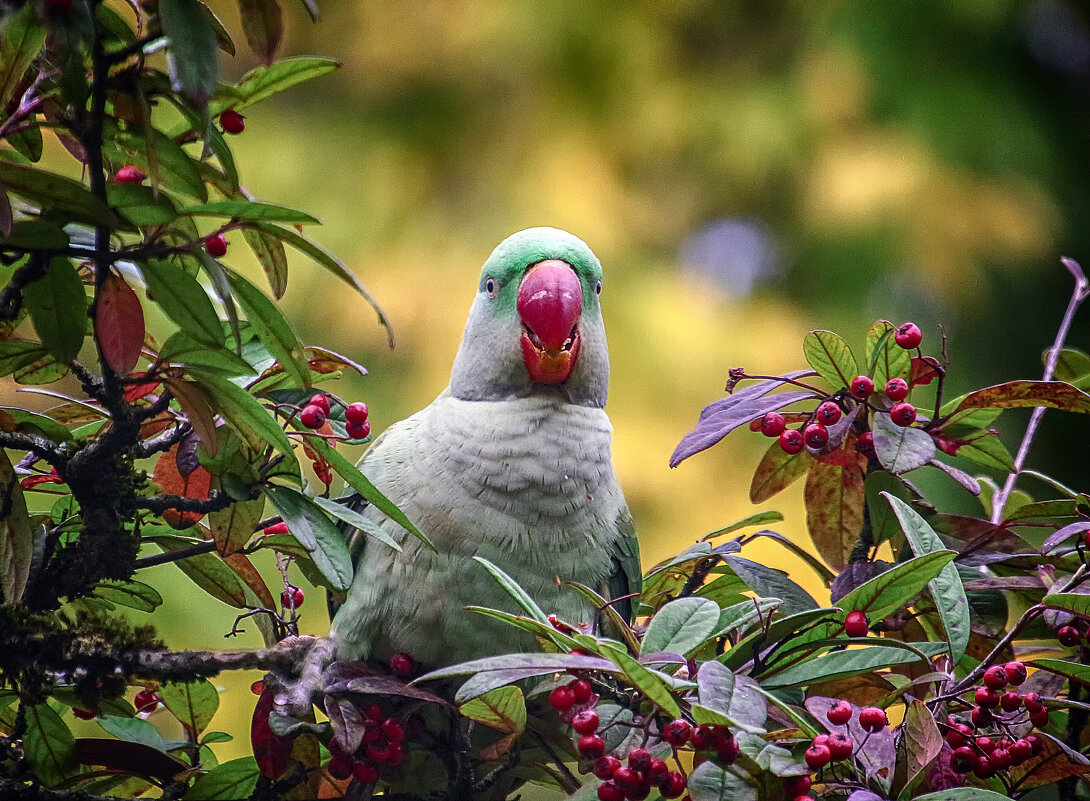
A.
pixel 1080 293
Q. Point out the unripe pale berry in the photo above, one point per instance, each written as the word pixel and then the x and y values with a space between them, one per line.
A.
pixel 828 413
pixel 232 122
pixel 995 677
pixel 896 389
pixel 585 722
pixel 855 623
pixel 908 336
pixel 356 412
pixel 903 414
pixel 791 441
pixel 216 246
pixel 862 387
pixel 312 417
pixel 873 719
pixel 839 713
pixel 815 436
pixel 772 424
pixel 817 756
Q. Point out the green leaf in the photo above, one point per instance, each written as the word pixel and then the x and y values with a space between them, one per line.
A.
pixel 233 527
pixel 1072 365
pixel 270 254
pixel 886 359
pixel 158 155
pixel 736 697
pixel 133 594
pixel 191 57
pixel 209 573
pixel 36 235
pixel 134 730
pixel 44 370
pixel 768 582
pixel 1070 602
pixel 964 794
pixel 883 521
pixel 184 301
pixel 48 745
pixel 946 588
pixel 264 82
pixel 263 25
pixel 16 535
pixel 921 741
pixel 681 626
pixel 16 354
pixel 988 450
pixel 55 193
pixel 360 483
pixel 250 211
pixel 227 782
pixel 193 703
pixel 901 449
pixel 1076 671
pixel 831 357
pixel 141 205
pixel 315 532
pixel 181 348
pixel 246 415
pixel 844 664
pixel 13 418
pixel 272 329
pixel 350 516
pixel 58 308
pixel 898 586
pixel 503 709
pixel 649 682
pixel 709 782
pixel 777 471
pixel 20 42
pixel 512 588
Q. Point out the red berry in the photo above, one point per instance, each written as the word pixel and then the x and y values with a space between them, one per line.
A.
pixel 356 412
pixel 365 773
pixel 1000 759
pixel 292 597
pixel 129 175
pixel 358 430
pixel 340 766
pixel 677 732
pixel 1032 702
pixel 862 387
pixel 82 714
pixel 1010 701
pixel 828 413
pixel 581 689
pixel 995 677
pixel 656 772
pixel 839 714
pixel 216 246
pixel 1035 743
pixel 903 414
pixel 585 722
pixel 673 785
pixel 815 436
pixel 985 744
pixel 258 687
pixel 627 777
pixel 391 729
pixel 963 759
pixel 908 336
pixel 605 767
pixel 986 697
pixel 865 443
pixel 817 756
pixel 791 441
pixel 639 759
pixel 981 717
pixel 983 768
pixel 1039 718
pixel 562 698
pixel 608 791
pixel 896 389
pixel 702 738
pixel 1021 750
pixel 955 738
pixel 840 746
pixel 312 417
pixel 772 424
pixel 855 624
pixel 232 122
pixel 145 701
pixel 322 402
pixel 1068 635
pixel 873 719
pixel 402 665
pixel 277 528
pixel 796 785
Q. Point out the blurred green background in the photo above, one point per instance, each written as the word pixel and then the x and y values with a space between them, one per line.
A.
pixel 746 171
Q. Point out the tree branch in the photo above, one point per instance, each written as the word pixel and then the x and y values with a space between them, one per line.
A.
pixel 216 500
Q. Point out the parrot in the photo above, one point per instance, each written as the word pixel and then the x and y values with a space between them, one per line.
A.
pixel 511 462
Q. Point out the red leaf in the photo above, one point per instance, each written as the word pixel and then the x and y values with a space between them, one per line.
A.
pixel 135 392
pixel 273 753
pixel 119 324
pixel 194 485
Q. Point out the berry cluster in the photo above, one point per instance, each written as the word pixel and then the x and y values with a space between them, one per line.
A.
pixel 382 748
pixel 313 415
pixel 814 434
pixel 635 780
pixel 826 748
pixel 988 746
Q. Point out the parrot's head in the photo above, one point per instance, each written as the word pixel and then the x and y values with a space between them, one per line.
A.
pixel 536 323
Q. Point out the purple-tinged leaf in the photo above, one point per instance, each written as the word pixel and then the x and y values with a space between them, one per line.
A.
pixel 901 449
pixel 713 426
pixel 1063 534
pixel 263 24
pixel 490 680
pixel 921 739
pixel 854 575
pixel 347 722
pixel 960 476
pixel 356 677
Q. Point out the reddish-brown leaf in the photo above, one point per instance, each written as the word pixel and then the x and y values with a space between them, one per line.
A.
pixel 135 392
pixel 194 485
pixel 776 471
pixel 925 369
pixel 119 324
pixel 273 753
pixel 198 409
pixel 1054 394
pixel 834 499
pixel 245 570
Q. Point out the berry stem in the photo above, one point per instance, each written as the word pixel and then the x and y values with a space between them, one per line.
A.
pixel 819 392
pixel 1080 293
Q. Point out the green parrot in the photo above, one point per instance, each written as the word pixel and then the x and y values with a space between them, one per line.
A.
pixel 510 463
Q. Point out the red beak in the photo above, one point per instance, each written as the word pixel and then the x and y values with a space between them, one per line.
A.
pixel 550 300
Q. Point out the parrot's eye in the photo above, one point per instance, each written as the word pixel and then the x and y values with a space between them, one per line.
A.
pixel 490 287
pixel 598 288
